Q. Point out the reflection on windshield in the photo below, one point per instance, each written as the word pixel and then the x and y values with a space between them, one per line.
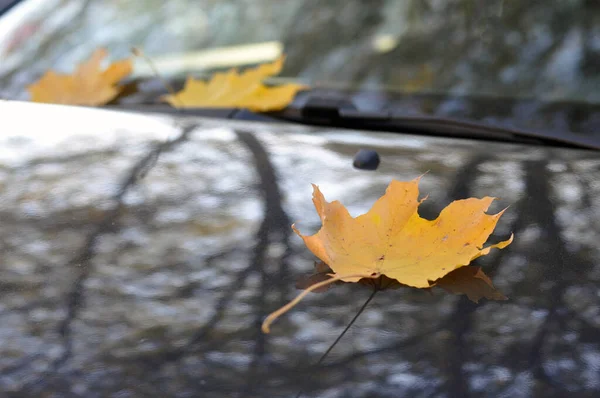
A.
pixel 518 49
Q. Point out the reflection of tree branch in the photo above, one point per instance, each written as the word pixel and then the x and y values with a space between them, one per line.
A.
pixel 535 354
pixel 268 182
pixel 82 260
pixel 260 340
pixel 460 321
pixel 218 314
pixel 586 197
pixel 81 263
pixel 275 224
pixel 276 221
pixel 537 208
pixel 538 188
pixel 457 355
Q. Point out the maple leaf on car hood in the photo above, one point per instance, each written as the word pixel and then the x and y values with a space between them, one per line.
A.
pixel 392 239
pixel 391 246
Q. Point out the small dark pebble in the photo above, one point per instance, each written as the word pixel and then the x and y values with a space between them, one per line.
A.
pixel 366 159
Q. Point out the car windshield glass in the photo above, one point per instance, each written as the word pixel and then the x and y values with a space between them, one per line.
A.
pixel 493 49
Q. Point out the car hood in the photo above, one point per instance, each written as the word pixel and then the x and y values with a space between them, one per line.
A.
pixel 140 254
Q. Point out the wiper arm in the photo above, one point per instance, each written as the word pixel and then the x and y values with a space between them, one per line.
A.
pixel 335 112
pixel 329 111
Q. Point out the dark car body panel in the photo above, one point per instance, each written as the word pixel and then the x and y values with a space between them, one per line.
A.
pixel 140 254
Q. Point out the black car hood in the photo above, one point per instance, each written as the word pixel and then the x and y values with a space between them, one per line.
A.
pixel 140 254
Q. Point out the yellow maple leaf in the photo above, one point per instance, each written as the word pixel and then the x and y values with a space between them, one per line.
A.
pixel 392 241
pixel 88 85
pixel 237 90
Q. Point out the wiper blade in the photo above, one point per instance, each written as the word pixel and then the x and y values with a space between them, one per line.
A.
pixel 333 111
pixel 336 112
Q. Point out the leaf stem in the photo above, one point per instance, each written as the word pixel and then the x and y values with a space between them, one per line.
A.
pixel 360 311
pixel 276 314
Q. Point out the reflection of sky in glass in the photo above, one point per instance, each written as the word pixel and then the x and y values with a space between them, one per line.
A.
pixel 546 50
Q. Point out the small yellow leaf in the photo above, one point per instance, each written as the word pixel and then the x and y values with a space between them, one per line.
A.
pixel 392 239
pixel 237 90
pixel 88 85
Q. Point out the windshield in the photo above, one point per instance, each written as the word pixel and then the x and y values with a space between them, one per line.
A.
pixel 140 253
pixel 515 50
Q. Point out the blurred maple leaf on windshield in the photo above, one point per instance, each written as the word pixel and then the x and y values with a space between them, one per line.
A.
pixel 87 85
pixel 232 89
pixel 391 245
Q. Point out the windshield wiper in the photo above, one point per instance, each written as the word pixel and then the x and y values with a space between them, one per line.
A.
pixel 335 112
